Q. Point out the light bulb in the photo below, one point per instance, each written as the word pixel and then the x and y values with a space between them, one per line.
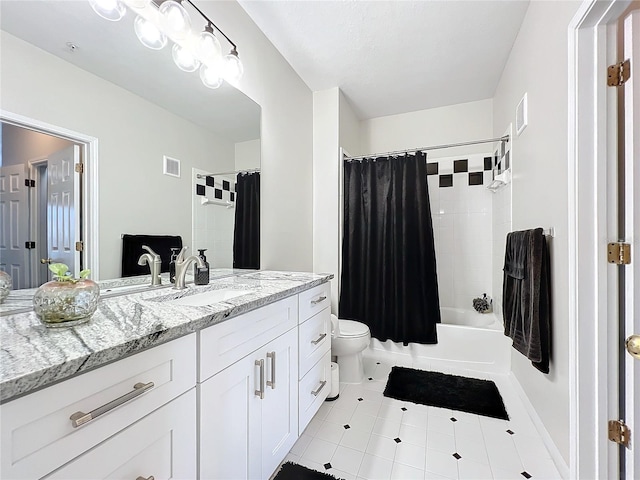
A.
pixel 233 68
pixel 209 48
pixel 112 10
pixel 184 59
pixel 175 19
pixel 150 35
pixel 210 76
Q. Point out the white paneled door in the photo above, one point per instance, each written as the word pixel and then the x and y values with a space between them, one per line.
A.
pixel 14 224
pixel 632 235
pixel 63 207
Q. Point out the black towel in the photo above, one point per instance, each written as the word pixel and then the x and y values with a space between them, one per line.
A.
pixel 132 249
pixel 525 296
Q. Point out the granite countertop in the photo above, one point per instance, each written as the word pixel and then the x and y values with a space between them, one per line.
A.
pixel 33 356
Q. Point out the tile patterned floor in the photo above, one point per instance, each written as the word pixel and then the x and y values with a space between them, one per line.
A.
pixel 364 435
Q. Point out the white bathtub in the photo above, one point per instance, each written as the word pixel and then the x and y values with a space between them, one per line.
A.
pixel 466 339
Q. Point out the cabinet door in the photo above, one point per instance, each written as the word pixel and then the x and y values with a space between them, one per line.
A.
pixel 162 445
pixel 230 414
pixel 280 404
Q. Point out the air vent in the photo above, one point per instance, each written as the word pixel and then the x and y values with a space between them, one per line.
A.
pixel 521 115
pixel 171 167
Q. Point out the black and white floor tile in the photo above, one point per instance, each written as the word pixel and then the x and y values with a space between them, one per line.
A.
pixel 364 435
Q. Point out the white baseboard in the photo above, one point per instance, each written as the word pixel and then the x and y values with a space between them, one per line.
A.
pixel 556 456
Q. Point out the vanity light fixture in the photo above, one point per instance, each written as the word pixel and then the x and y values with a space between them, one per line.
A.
pixel 159 21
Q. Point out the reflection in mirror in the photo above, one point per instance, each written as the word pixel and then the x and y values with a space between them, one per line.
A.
pixel 137 106
pixel 226 217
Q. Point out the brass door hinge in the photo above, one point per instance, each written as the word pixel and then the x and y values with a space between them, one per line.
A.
pixel 619 432
pixel 619 73
pixel 619 253
pixel 80 167
pixel 79 246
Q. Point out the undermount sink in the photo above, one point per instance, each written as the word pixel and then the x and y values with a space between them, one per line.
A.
pixel 209 298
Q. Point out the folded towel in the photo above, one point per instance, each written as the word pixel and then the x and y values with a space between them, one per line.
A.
pixel 525 296
pixel 132 249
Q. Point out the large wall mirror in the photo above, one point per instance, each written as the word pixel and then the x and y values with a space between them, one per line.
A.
pixel 79 89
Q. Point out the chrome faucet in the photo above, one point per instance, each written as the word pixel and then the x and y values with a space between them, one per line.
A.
pixel 155 264
pixel 182 265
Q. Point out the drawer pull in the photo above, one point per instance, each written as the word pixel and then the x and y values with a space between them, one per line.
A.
pixel 80 418
pixel 151 477
pixel 317 391
pixel 272 383
pixel 319 300
pixel 319 339
pixel 260 393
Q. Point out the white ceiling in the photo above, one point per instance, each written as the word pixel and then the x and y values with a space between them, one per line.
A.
pixel 394 56
pixel 111 50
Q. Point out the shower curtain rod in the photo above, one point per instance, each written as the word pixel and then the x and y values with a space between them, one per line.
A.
pixel 200 175
pixel 505 139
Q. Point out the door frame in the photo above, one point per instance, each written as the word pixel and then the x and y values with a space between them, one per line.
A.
pixel 592 155
pixel 89 153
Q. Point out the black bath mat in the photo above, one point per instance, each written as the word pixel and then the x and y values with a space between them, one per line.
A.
pixel 447 391
pixel 293 471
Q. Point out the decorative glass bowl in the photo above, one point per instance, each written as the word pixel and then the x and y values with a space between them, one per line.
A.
pixel 66 304
pixel 5 285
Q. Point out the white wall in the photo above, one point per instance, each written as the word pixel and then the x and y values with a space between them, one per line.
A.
pixel 247 155
pixel 326 114
pixel 435 126
pixel 538 65
pixel 134 195
pixel 287 109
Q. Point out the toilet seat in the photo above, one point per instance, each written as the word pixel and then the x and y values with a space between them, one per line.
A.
pixel 352 329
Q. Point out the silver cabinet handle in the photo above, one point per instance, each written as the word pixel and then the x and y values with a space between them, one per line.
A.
pixel 151 477
pixel 317 391
pixel 319 339
pixel 320 299
pixel 80 418
pixel 272 383
pixel 260 393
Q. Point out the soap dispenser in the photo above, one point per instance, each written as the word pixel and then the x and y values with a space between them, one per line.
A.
pixel 172 264
pixel 201 275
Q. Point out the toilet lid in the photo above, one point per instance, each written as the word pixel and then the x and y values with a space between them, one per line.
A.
pixel 350 328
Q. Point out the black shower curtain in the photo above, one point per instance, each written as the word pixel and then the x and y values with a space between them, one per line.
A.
pixel 389 279
pixel 246 233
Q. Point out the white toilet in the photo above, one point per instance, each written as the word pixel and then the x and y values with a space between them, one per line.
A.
pixel 348 340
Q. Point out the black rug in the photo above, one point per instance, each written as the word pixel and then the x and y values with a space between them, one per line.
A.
pixel 447 391
pixel 293 471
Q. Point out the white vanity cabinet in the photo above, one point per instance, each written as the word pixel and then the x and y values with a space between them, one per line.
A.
pixel 161 446
pixel 314 351
pixel 46 429
pixel 225 402
pixel 249 410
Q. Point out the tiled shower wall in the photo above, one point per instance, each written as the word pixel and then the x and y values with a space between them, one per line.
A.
pixel 213 224
pixel 462 215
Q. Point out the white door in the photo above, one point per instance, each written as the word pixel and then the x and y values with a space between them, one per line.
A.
pixel 63 207
pixel 632 234
pixel 14 224
pixel 280 405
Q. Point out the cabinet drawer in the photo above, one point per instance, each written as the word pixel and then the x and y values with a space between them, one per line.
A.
pixel 223 344
pixel 314 340
pixel 314 300
pixel 162 445
pixel 313 390
pixel 37 435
